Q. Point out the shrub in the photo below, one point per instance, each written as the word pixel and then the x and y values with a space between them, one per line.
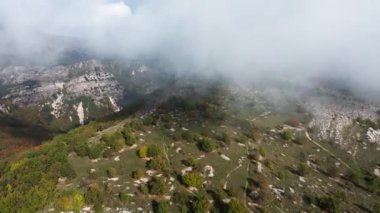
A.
pixel 376 208
pixel 144 189
pixel 329 204
pixel 236 206
pixel 94 194
pixel 138 174
pixel 161 207
pixel 71 200
pixel 115 141
pixel 157 163
pixel 332 170
pixel 262 150
pixel 157 186
pixel 302 169
pixel 287 135
pixel 188 136
pixel 206 145
pixel 129 137
pixel 193 179
pixel 189 162
pixel 108 153
pixel 124 197
pixel 111 172
pixel 81 148
pixel 154 150
pixel 300 139
pixel 294 122
pixel 94 152
pixel 201 204
pixel 143 152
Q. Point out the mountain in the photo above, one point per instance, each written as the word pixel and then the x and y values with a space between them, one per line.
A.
pixel 58 98
pixel 198 145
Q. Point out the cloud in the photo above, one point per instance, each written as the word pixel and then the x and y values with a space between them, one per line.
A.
pixel 243 39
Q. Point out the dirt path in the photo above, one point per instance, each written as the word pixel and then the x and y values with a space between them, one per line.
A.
pixel 326 150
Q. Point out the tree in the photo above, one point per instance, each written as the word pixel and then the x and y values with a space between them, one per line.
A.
pixel 157 186
pixel 193 179
pixel 206 145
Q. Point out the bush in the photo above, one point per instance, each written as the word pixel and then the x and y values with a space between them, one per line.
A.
pixel 94 152
pixel 201 204
pixel 329 204
pixel 111 172
pixel 138 174
pixel 189 162
pixel 300 139
pixel 124 197
pixel 188 136
pixel 302 169
pixel 144 189
pixel 332 170
pixel 115 141
pixel 94 194
pixel 154 150
pixel 206 145
pixel 193 179
pixel 81 148
pixel 71 200
pixel 376 208
pixel 287 135
pixel 161 207
pixel 129 137
pixel 158 163
pixel 143 152
pixel 157 186
pixel 108 153
pixel 236 206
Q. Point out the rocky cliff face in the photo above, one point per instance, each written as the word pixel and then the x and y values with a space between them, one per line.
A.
pixel 71 93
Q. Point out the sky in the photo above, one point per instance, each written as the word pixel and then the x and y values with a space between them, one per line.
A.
pixel 243 39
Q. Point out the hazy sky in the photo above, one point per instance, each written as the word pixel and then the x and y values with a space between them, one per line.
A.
pixel 243 38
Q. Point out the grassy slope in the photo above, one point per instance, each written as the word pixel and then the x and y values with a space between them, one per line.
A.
pixel 279 160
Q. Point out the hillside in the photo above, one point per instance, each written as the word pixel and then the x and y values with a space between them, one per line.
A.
pixel 204 146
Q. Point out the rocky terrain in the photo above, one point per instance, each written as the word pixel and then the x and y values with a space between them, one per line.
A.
pixel 75 93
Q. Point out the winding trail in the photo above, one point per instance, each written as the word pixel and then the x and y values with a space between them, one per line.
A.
pixel 326 150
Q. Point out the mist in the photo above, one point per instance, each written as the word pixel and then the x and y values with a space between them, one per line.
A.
pixel 242 40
